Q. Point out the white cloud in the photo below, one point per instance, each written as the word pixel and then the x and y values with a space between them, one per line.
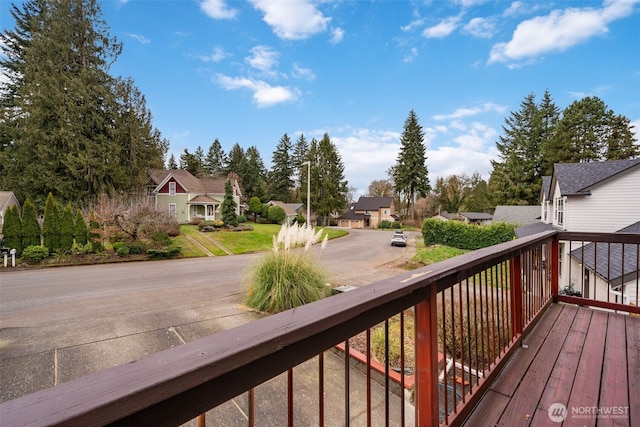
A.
pixel 218 55
pixel 139 37
pixel 480 27
pixel 292 20
pixel 337 35
pixel 410 56
pixel 263 58
pixel 467 112
pixel 558 31
pixel 442 29
pixel 218 9
pixel 300 72
pixel 264 95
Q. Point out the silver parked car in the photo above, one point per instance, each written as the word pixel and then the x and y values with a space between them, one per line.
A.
pixel 399 239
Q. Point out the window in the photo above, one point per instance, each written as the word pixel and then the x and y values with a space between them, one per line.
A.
pixel 559 211
pixel 545 206
pixel 172 209
pixel 386 211
pixel 172 188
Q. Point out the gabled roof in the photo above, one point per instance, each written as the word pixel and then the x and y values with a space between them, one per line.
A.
pixel 372 203
pixel 517 214
pixel 606 259
pixel 5 198
pixel 476 216
pixel 546 187
pixel 351 214
pixel 203 199
pixel 531 229
pixel 578 178
pixel 183 176
pixel 289 208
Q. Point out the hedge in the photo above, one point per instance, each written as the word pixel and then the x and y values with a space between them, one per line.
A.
pixel 465 236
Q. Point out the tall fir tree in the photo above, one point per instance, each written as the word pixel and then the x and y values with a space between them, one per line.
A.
pixel 254 179
pixel 12 229
pixel 80 230
pixel 67 228
pixel 216 160
pixel 67 125
pixel 282 170
pixel 517 174
pixel 51 224
pixel 299 156
pixel 229 205
pixel 236 161
pixel 172 164
pixel 328 184
pixel 192 163
pixel 411 177
pixel 30 226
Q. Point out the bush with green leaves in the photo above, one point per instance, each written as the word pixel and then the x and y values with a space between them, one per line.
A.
pixel 277 214
pixel 30 226
pixel 160 239
pixel 12 229
pixel 170 252
pixel 51 224
pixel 80 249
pixel 137 248
pixel 288 276
pixel 67 229
pixel 121 249
pixel 465 236
pixel 81 232
pixel 34 254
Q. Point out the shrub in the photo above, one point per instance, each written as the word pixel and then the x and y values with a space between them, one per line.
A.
pixel 12 229
pixel 137 248
pixel 196 220
pixel 51 224
pixel 80 229
pixel 160 238
pixel 66 229
pixel 277 214
pixel 465 236
pixel 385 223
pixel 121 249
pixel 170 252
pixel 30 225
pixel 35 254
pixel 80 249
pixel 241 219
pixel 286 278
pixel 378 342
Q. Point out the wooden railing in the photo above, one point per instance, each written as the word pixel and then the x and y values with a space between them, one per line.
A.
pixel 461 319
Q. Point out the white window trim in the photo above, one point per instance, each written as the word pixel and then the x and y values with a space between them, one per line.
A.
pixel 172 209
pixel 172 188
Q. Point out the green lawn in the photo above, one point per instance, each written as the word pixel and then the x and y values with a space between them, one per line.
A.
pixel 241 242
pixel 203 239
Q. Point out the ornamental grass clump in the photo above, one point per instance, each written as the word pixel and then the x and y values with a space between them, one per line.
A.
pixel 288 276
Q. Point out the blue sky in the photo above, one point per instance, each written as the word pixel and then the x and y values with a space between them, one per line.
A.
pixel 248 72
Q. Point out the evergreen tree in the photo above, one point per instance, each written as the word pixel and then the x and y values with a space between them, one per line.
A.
pixel 411 176
pixel 450 193
pixel 298 157
pixel 12 229
pixel 478 196
pixel 236 161
pixel 95 235
pixel 172 165
pixel 30 225
pixel 67 126
pixel 550 114
pixel 517 175
pixel 254 179
pixel 282 170
pixel 192 163
pixel 67 228
pixel 51 224
pixel 328 185
pixel 80 229
pixel 229 205
pixel 216 160
pixel 588 131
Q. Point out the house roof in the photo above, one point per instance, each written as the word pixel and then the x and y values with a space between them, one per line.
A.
pixel 188 181
pixel 476 216
pixel 372 203
pixel 531 229
pixel 5 198
pixel 578 178
pixel 203 199
pixel 289 208
pixel 606 259
pixel 546 186
pixel 517 214
pixel 352 215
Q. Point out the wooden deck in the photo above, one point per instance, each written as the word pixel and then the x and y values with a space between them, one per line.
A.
pixel 587 360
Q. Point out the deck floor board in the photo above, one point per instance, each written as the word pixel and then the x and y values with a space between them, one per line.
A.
pixel 585 359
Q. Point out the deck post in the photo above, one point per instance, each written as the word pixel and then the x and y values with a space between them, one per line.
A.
pixel 516 295
pixel 426 353
pixel 555 259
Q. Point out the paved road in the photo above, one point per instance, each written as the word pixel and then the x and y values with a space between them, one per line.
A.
pixel 58 324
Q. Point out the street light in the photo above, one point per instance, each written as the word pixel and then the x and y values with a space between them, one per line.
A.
pixel 308 163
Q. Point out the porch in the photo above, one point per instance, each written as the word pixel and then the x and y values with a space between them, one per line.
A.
pixel 476 310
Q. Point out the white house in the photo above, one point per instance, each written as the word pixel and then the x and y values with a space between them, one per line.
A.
pixel 7 199
pixel 601 197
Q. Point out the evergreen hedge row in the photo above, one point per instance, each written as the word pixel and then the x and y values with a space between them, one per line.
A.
pixel 465 236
